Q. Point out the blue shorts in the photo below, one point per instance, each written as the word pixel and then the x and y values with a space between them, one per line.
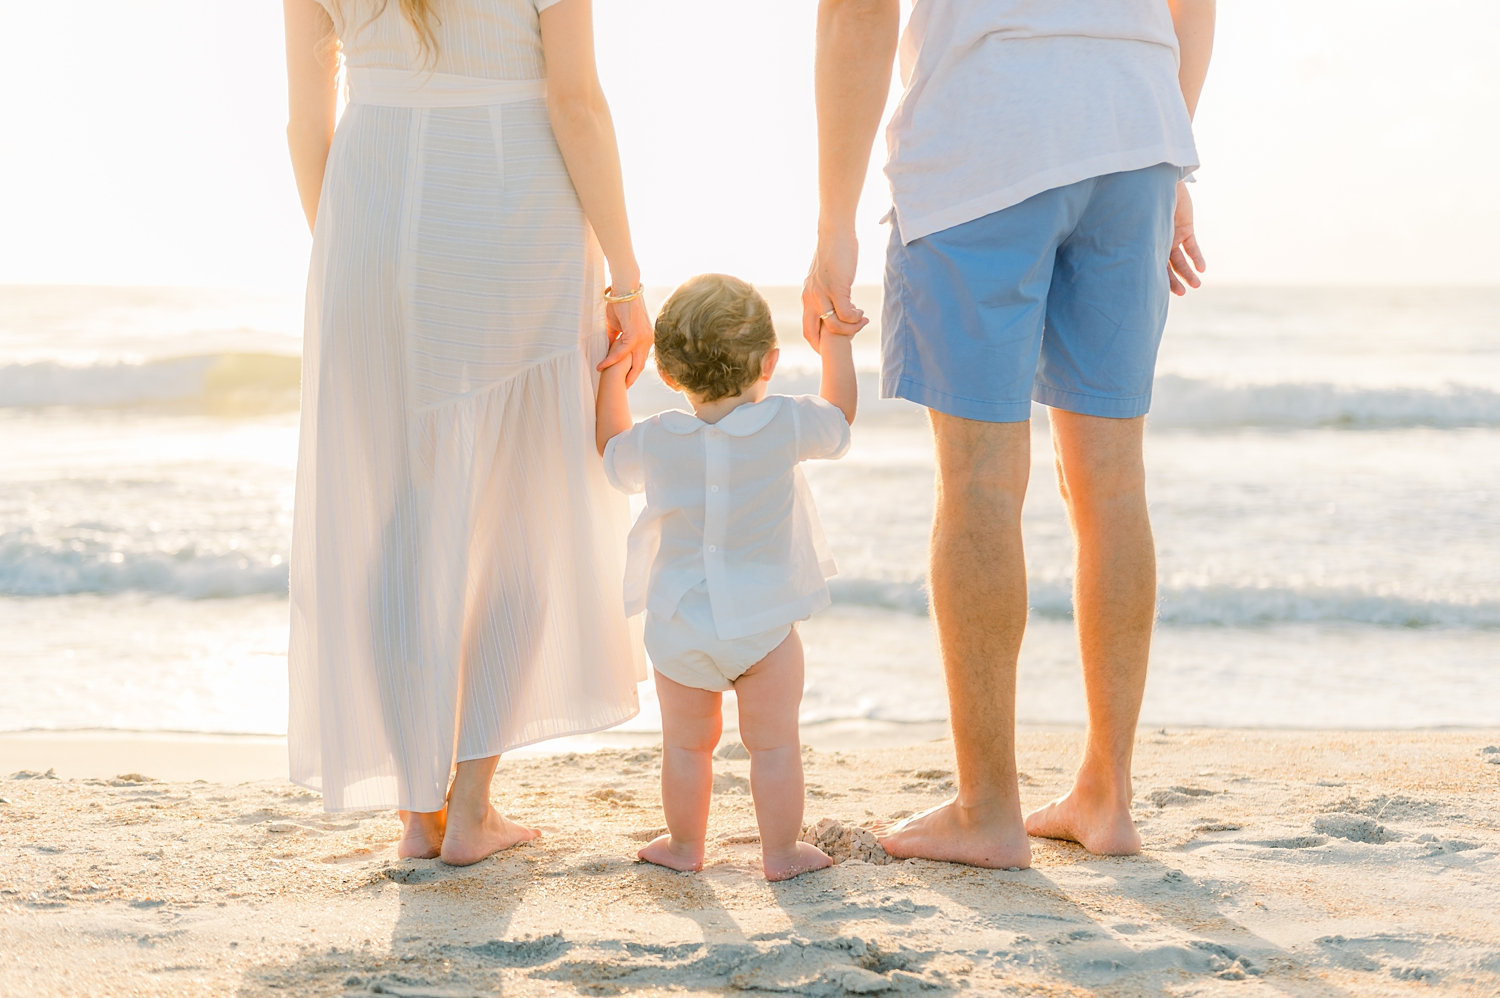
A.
pixel 1061 299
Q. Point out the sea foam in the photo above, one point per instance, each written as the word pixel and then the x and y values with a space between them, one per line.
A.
pixel 32 567
pixel 255 382
pixel 262 382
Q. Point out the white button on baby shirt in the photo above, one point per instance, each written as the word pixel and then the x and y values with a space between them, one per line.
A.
pixel 753 534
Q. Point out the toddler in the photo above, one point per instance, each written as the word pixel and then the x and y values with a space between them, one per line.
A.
pixel 727 555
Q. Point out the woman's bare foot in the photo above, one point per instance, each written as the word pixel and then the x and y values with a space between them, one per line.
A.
pixel 953 833
pixel 804 857
pixel 1104 829
pixel 663 851
pixel 421 834
pixel 469 841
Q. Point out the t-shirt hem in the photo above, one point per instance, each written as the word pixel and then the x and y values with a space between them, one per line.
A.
pixel 915 226
pixel 787 613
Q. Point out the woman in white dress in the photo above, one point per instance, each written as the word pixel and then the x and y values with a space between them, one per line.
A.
pixel 456 552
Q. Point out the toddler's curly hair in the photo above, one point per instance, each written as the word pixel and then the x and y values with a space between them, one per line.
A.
pixel 712 335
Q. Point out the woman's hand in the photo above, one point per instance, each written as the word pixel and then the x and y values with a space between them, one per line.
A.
pixel 630 334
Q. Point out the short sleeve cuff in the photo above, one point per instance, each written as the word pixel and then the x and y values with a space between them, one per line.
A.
pixel 622 472
pixel 822 430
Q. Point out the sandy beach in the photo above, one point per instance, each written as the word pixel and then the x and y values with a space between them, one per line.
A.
pixel 1292 863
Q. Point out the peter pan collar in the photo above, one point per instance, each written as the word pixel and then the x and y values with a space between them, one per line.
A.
pixel 742 420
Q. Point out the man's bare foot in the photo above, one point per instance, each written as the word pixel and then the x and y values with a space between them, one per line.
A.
pixel 663 851
pixel 467 842
pixel 804 857
pixel 953 833
pixel 421 834
pixel 1102 829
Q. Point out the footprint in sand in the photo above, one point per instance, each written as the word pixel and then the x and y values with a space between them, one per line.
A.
pixel 1293 842
pixel 742 837
pixel 930 780
pixel 1441 846
pixel 1214 825
pixel 1354 827
pixel 407 874
pixel 528 951
pixel 1178 795
pixel 730 783
pixel 647 834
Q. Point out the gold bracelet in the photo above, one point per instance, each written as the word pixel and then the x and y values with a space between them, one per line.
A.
pixel 613 299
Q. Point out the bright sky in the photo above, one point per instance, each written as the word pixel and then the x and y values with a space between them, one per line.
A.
pixel 1343 141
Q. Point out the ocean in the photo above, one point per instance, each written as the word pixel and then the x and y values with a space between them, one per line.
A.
pixel 1324 478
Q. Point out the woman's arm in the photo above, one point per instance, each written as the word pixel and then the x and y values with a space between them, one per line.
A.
pixel 586 135
pixel 312 95
pixel 611 407
pixel 839 384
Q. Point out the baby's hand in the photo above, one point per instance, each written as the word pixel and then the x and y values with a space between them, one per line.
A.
pixel 621 368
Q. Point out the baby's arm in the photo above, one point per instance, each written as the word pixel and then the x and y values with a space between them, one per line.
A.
pixel 839 385
pixel 611 406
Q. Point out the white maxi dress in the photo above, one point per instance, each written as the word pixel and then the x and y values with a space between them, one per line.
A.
pixel 457 555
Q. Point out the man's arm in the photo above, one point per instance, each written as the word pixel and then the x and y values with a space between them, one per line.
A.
pixel 1194 23
pixel 855 49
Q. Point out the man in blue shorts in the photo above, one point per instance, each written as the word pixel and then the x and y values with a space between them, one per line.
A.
pixel 1039 221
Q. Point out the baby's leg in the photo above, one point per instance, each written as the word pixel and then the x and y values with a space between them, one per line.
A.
pixel 770 692
pixel 691 721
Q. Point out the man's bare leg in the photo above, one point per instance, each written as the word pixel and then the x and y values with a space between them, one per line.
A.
pixel 978 584
pixel 1103 480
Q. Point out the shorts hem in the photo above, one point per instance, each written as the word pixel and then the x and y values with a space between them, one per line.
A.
pixel 717 674
pixel 694 681
pixel 957 405
pixel 1104 406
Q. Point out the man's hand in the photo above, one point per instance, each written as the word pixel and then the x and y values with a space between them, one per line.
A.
pixel 630 333
pixel 1185 262
pixel 826 295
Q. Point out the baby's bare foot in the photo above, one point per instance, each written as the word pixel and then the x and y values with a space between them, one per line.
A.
pixel 663 851
pixel 467 842
pixel 421 834
pixel 803 857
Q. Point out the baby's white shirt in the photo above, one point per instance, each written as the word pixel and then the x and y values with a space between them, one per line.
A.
pixel 726 504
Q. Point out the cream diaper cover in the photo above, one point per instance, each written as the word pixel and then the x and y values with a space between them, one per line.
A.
pixel 687 649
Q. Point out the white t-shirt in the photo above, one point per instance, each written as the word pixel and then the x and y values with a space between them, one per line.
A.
pixel 727 505
pixel 1005 99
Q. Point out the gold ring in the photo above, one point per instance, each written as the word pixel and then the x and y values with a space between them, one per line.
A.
pixel 828 313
